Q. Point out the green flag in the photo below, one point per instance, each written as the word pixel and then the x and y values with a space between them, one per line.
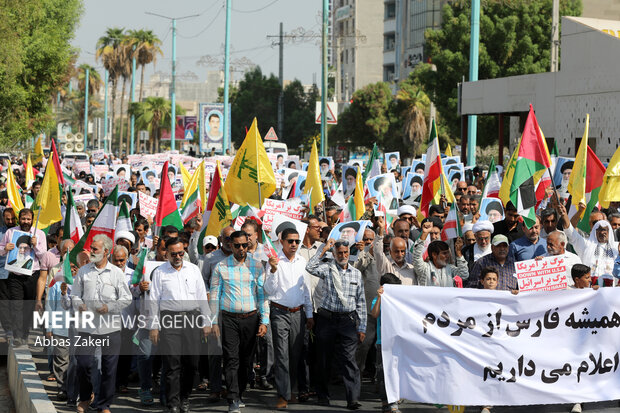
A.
pixel 138 273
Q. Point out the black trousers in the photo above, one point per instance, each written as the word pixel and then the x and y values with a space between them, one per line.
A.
pixel 338 336
pixel 238 343
pixel 22 292
pixel 5 316
pixel 124 361
pixel 180 352
pixel 109 360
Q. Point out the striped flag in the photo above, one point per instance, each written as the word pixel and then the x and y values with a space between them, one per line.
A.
pixel 138 273
pixel 72 228
pixel 492 184
pixel 270 249
pixel 452 226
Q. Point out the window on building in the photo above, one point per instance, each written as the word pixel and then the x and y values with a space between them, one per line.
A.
pixel 352 55
pixel 388 73
pixel 389 41
pixel 423 14
pixel 353 83
pixel 390 11
pixel 346 56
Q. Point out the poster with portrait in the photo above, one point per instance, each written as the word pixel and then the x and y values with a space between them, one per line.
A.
pixel 404 170
pixel 450 160
pixel 122 171
pixel 292 162
pixel 349 175
pixel 21 258
pixel 211 127
pixel 131 198
pixel 417 166
pixel 491 209
pixel 352 231
pixel 412 185
pixel 326 165
pixel 300 184
pixel 561 175
pixel 150 178
pixel 385 185
pixel 392 160
pixel 281 222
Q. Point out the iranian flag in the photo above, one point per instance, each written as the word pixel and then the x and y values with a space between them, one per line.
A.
pixel 123 222
pixel 493 183
pixel 138 273
pixel 64 275
pixel 525 172
pixel 452 226
pixel 72 228
pixel 270 249
pixel 104 223
pixel 433 172
pixel 585 180
pixel 167 210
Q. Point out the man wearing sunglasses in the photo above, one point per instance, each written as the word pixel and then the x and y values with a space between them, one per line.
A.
pixel 178 302
pixel 289 296
pixel 341 319
pixel 237 294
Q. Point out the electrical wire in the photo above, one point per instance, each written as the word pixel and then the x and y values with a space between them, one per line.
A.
pixel 205 29
pixel 256 10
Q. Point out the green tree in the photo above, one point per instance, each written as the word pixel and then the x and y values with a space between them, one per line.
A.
pixel 94 79
pixel 72 111
pixel 110 53
pixel 146 47
pixel 36 56
pixel 514 40
pixel 299 114
pixel 153 114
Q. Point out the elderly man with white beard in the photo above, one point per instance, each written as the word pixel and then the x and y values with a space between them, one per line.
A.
pixel 482 232
pixel 599 251
pixel 101 288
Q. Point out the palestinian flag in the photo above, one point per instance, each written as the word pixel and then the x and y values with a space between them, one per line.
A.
pixel 525 171
pixel 492 184
pixel 123 222
pixel 452 226
pixel 586 179
pixel 138 273
pixel 72 228
pixel 104 223
pixel 167 210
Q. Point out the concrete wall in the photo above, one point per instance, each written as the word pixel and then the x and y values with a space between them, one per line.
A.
pixel 29 395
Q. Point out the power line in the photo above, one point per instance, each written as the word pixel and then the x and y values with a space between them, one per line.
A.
pixel 256 10
pixel 205 29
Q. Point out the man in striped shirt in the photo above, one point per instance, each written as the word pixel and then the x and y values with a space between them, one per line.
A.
pixel 237 295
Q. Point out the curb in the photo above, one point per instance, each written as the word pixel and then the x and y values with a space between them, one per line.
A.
pixel 29 395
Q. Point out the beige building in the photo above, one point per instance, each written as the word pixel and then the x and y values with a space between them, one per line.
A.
pixel 357 45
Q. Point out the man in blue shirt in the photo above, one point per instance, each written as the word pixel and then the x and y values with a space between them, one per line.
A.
pixel 530 245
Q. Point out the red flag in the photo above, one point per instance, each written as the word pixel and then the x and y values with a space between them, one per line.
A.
pixel 167 209
pixel 56 160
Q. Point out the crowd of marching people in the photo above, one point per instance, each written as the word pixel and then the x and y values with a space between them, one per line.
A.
pixel 285 312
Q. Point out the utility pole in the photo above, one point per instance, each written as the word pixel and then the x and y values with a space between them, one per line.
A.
pixel 281 78
pixel 105 110
pixel 555 36
pixel 225 125
pixel 472 124
pixel 86 81
pixel 324 80
pixel 132 131
pixel 173 121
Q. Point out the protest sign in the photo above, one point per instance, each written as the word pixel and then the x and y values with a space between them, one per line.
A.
pixel 101 170
pixel 81 166
pixel 273 207
pixel 97 155
pixel 19 260
pixel 148 205
pixel 84 197
pixel 546 274
pixel 109 184
pixel 483 348
pixel 280 223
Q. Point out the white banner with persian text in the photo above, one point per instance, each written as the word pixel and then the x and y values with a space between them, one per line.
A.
pixel 480 347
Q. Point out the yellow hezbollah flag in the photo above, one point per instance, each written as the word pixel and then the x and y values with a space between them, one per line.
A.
pixel 189 187
pixel 12 190
pixel 358 197
pixel 38 151
pixel 202 187
pixel 314 186
pixel 220 208
pixel 48 198
pixel 610 190
pixel 250 178
pixel 29 173
pixel 448 150
pixel 185 176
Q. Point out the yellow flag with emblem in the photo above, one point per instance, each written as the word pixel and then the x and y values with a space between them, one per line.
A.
pixel 38 151
pixel 185 176
pixel 15 198
pixel 218 204
pixel 314 186
pixel 250 178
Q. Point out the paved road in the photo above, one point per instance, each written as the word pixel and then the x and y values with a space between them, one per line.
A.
pixel 263 401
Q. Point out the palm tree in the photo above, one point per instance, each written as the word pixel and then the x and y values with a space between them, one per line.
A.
pixel 72 112
pixel 153 114
pixel 146 48
pixel 413 104
pixel 125 58
pixel 108 50
pixel 94 79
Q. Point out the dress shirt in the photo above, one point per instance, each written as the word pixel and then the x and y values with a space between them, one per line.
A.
pixel 53 304
pixel 39 250
pixel 354 298
pixel 94 287
pixel 237 287
pixel 387 264
pixel 315 283
pixel 570 259
pixel 287 286
pixel 49 261
pixel 506 273
pixel 522 249
pixel 370 274
pixel 430 275
pixel 176 290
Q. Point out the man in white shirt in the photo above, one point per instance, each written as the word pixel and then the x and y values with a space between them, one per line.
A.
pixel 177 304
pixel 396 263
pixel 556 246
pixel 289 295
pixel 99 288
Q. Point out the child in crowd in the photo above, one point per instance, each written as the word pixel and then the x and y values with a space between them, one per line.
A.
pixel 375 311
pixel 582 277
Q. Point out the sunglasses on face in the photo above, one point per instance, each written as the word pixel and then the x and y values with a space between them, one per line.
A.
pixel 295 241
pixel 177 254
pixel 341 244
pixel 242 245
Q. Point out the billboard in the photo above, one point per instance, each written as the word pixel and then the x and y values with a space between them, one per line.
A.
pixel 184 130
pixel 211 133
